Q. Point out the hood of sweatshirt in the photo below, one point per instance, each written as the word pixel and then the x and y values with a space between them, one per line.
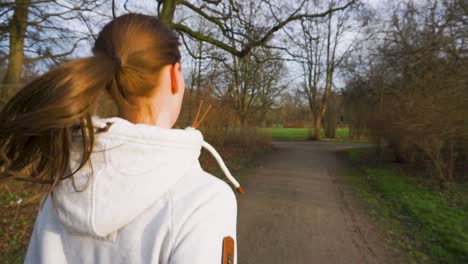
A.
pixel 132 166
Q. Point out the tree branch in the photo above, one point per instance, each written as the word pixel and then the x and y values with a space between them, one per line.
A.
pixel 204 15
pixel 247 48
pixel 49 55
pixel 205 38
pixel 195 56
pixel 113 8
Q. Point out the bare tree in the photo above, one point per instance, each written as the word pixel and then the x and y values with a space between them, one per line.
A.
pixel 220 12
pixel 200 69
pixel 37 30
pixel 250 86
pixel 321 48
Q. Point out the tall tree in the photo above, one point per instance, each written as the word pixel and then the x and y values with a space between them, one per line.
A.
pixel 320 48
pixel 251 84
pixel 219 12
pixel 16 29
pixel 37 30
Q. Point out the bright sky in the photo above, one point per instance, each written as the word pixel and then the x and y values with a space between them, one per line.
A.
pixel 149 7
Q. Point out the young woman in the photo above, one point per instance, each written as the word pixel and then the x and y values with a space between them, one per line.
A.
pixel 126 189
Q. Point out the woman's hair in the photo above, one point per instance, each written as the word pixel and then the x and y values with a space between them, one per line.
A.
pixel 36 124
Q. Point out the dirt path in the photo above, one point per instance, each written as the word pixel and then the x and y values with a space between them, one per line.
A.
pixel 297 210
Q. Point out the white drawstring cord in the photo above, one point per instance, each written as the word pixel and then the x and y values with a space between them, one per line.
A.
pixel 223 166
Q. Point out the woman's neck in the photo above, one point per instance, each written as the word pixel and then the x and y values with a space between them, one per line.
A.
pixel 147 115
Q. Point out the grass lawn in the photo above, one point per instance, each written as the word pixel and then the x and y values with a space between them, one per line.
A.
pixel 431 225
pixel 281 133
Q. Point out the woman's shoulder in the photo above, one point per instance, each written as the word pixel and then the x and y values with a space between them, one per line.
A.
pixel 204 213
pixel 200 186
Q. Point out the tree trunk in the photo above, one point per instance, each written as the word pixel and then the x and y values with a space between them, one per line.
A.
pixel 167 13
pixel 17 30
pixel 330 130
pixel 317 126
pixel 318 115
pixel 243 122
pixel 330 119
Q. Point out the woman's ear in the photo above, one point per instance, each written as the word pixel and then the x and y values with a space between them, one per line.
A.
pixel 175 78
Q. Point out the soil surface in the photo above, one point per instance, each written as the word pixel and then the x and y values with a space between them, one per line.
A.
pixel 298 209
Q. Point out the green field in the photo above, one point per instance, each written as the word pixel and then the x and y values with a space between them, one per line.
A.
pixel 430 224
pixel 281 133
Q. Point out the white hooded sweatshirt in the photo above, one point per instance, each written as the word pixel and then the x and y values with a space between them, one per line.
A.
pixel 146 200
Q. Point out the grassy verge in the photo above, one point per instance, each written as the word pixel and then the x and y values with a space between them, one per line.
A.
pixel 281 133
pixel 17 220
pixel 431 225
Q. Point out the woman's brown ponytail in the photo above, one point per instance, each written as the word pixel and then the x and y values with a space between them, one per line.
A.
pixel 36 124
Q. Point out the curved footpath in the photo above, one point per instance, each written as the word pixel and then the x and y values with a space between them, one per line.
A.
pixel 297 210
